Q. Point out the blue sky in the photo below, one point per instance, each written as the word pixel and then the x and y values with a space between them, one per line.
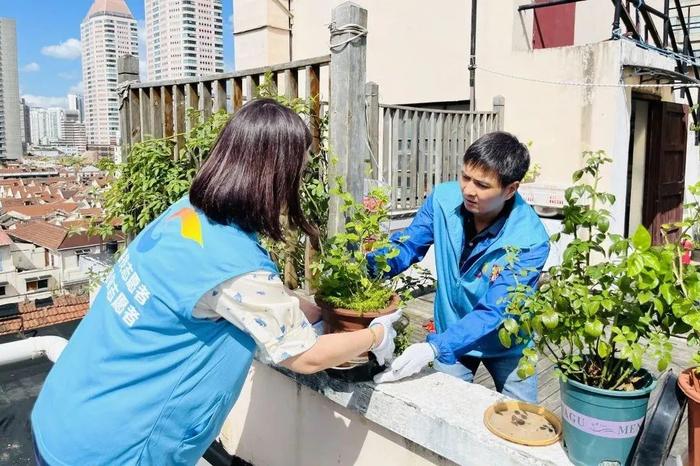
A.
pixel 48 54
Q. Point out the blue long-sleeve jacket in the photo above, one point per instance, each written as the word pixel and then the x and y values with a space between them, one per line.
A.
pixel 469 307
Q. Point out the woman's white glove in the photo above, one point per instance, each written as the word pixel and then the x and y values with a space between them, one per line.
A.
pixel 411 361
pixel 384 351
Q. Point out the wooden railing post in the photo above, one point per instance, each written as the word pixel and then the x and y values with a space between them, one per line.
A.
pixel 499 105
pixel 127 72
pixel 348 126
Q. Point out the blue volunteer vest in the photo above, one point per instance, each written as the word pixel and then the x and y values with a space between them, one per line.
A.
pixel 141 381
pixel 457 293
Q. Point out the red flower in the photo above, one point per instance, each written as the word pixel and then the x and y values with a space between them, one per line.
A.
pixel 429 326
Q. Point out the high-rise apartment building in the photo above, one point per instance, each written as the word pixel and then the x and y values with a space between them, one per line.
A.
pixel 24 125
pixel 73 132
pixel 108 32
pixel 46 125
pixel 10 129
pixel 75 102
pixel 184 38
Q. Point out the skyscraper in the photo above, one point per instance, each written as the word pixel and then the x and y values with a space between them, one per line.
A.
pixel 108 32
pixel 184 38
pixel 46 125
pixel 75 102
pixel 73 131
pixel 10 130
pixel 37 125
pixel 24 125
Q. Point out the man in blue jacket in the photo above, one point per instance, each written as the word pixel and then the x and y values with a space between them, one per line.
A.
pixel 471 223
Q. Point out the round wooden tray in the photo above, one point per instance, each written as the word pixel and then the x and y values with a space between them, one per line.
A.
pixel 518 412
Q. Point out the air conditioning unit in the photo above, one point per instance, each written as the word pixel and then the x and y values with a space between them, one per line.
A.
pixel 547 199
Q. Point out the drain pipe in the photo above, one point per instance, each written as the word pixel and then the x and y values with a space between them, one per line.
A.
pixel 472 59
pixel 32 348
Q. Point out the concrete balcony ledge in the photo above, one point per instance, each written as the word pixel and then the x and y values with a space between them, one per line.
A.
pixel 429 419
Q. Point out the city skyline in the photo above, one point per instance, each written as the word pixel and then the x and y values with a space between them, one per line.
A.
pixel 49 46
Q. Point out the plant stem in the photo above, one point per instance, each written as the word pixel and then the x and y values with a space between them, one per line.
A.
pixel 626 373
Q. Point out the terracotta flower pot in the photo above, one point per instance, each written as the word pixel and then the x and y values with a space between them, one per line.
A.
pixel 690 385
pixel 338 320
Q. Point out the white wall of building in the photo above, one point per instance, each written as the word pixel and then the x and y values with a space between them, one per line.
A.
pixel 419 60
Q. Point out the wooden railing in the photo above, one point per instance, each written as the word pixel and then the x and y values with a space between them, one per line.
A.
pixel 417 148
pixel 159 109
pixel 409 149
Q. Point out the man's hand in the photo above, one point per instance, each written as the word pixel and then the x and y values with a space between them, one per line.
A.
pixel 412 361
pixel 385 350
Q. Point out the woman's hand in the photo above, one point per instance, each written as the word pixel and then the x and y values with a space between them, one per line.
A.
pixel 384 351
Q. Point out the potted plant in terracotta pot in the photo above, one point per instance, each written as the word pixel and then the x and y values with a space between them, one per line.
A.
pixel 610 302
pixel 685 297
pixel 349 296
pixel 345 290
pixel 694 244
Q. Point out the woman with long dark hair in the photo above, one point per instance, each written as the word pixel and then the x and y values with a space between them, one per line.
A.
pixel 155 366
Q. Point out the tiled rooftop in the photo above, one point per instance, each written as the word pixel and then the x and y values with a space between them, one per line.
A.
pixel 65 308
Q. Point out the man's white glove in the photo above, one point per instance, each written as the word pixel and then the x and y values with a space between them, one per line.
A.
pixel 384 351
pixel 411 361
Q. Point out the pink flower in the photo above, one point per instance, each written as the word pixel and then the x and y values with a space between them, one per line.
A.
pixel 687 245
pixel 372 204
pixel 685 259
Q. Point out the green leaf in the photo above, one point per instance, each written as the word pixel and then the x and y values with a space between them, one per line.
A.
pixel 504 337
pixel 641 240
pixel 635 265
pixel 550 320
pixel 511 326
pixel 603 349
pixel 593 328
pixel 644 297
pixel 665 290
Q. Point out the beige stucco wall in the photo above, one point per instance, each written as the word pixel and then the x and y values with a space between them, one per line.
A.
pixel 276 422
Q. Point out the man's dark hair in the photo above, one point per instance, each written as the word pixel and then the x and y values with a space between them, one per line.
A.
pixel 253 172
pixel 500 153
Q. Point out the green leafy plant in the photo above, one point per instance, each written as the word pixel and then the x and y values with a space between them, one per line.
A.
pixel 686 297
pixel 404 338
pixel 152 178
pixel 612 299
pixel 534 172
pixel 342 270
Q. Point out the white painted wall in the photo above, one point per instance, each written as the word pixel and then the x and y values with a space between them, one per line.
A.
pixel 277 423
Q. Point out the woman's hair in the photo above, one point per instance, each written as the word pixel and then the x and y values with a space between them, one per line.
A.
pixel 253 172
